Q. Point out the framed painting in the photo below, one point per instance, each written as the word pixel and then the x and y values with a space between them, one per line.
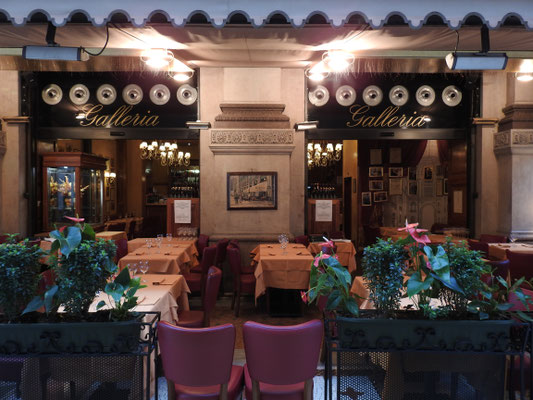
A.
pixel 252 190
pixel 366 199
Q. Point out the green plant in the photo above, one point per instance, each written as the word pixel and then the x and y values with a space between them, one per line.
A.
pixel 330 279
pixel 19 276
pixel 383 266
pixel 121 294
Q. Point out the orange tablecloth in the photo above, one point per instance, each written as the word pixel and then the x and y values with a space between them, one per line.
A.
pixel 112 235
pixel 167 260
pixel 345 253
pixel 283 271
pixel 190 247
pixel 498 250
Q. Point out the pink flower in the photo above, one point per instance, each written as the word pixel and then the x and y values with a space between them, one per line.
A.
pixel 415 233
pixel 408 227
pixel 76 220
pixel 428 265
pixel 328 243
pixel 322 256
pixel 304 296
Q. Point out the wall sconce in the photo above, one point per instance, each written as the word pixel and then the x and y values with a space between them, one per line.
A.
pixel 110 177
pixel 318 156
pixel 198 124
pixel 180 71
pixel 338 60
pixel 157 58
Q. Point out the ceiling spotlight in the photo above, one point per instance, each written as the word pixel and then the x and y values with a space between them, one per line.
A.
pixel 180 71
pixel 157 58
pixel 338 60
pixel 524 76
pixel 476 61
pixel 318 72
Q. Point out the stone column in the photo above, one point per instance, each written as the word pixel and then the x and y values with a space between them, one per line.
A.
pixel 513 147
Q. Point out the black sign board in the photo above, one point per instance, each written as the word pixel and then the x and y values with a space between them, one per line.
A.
pixel 160 106
pixel 447 104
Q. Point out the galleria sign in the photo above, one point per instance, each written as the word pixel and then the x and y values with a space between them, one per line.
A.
pixel 122 117
pixel 388 118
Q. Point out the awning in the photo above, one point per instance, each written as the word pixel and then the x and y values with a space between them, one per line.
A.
pixel 376 13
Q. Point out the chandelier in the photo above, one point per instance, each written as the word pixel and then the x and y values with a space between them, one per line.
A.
pixel 318 156
pixel 167 153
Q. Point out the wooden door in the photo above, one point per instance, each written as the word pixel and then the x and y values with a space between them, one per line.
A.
pixel 457 183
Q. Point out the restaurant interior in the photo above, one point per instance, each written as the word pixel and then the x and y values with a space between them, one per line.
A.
pixel 228 163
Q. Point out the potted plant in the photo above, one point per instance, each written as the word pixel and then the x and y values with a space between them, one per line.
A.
pixel 452 312
pixel 110 344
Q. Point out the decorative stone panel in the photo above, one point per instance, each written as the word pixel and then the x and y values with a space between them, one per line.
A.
pixel 514 140
pixel 249 136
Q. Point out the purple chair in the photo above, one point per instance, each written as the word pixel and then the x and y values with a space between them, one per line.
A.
pixel 520 264
pixel 203 242
pixel 500 268
pixel 198 362
pixel 482 247
pixel 336 235
pixel 119 226
pixel 122 249
pixel 281 361
pixel 131 230
pixel 243 281
pixel 196 281
pixel 220 257
pixel 201 318
pixel 303 239
pixel 234 243
pixel 493 238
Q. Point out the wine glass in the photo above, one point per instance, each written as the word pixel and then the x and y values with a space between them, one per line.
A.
pixel 133 269
pixel 149 243
pixel 283 240
pixel 144 269
pixel 169 239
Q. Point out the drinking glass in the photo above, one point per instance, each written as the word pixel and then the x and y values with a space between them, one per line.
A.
pixel 283 240
pixel 169 239
pixel 149 243
pixel 133 269
pixel 144 269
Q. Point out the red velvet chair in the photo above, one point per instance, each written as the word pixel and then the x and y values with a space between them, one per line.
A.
pixel 243 280
pixel 520 264
pixel 281 361
pixel 336 235
pixel 203 242
pixel 201 318
pixel 482 247
pixel 220 257
pixel 119 226
pixel 500 268
pixel 493 238
pixel 234 243
pixel 303 239
pixel 197 363
pixel 196 280
pixel 131 230
pixel 122 249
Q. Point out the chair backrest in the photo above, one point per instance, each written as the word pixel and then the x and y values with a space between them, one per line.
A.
pixel 336 235
pixel 492 238
pixel 208 259
pixel 48 278
pixel 119 226
pixel 214 276
pixel 234 258
pixel 131 230
pixel 303 239
pixel 203 242
pixel 222 244
pixel 500 268
pixel 518 305
pixel 483 247
pixel 122 248
pixel 196 356
pixel 282 355
pixel 234 243
pixel 151 226
pixel 520 264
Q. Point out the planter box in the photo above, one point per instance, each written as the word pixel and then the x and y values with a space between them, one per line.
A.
pixel 421 359
pixel 93 360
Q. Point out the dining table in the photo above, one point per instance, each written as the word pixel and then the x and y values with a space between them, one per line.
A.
pixel 112 235
pixel 280 268
pixel 127 221
pixel 169 259
pixel 345 252
pixel 498 251
pixel 189 244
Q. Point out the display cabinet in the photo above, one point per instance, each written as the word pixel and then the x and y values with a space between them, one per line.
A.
pixel 72 185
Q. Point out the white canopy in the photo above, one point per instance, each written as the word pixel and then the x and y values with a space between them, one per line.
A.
pixel 337 12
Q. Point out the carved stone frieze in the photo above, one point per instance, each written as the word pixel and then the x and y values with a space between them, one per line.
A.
pixel 252 115
pixel 3 143
pixel 514 141
pixel 522 137
pixel 252 136
pixel 502 139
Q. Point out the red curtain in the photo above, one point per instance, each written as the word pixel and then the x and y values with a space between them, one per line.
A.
pixel 442 146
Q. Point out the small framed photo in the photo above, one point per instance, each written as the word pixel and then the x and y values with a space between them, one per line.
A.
pixel 428 173
pixel 375 185
pixel 445 186
pixel 395 172
pixel 366 199
pixel 413 188
pixel 375 156
pixel 395 187
pixel 412 173
pixel 395 155
pixel 375 172
pixel 380 197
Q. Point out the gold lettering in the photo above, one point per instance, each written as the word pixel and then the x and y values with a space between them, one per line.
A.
pixel 391 122
pixel 120 117
pixel 91 115
pixel 387 118
pixel 357 110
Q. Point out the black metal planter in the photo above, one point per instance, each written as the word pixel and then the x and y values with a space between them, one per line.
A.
pixel 82 360
pixel 400 359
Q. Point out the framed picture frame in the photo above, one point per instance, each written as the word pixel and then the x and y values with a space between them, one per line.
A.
pixel 395 155
pixel 375 185
pixel 395 172
pixel 428 173
pixel 380 197
pixel 413 188
pixel 375 156
pixel 252 190
pixel 411 172
pixel 375 172
pixel 395 187
pixel 366 199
